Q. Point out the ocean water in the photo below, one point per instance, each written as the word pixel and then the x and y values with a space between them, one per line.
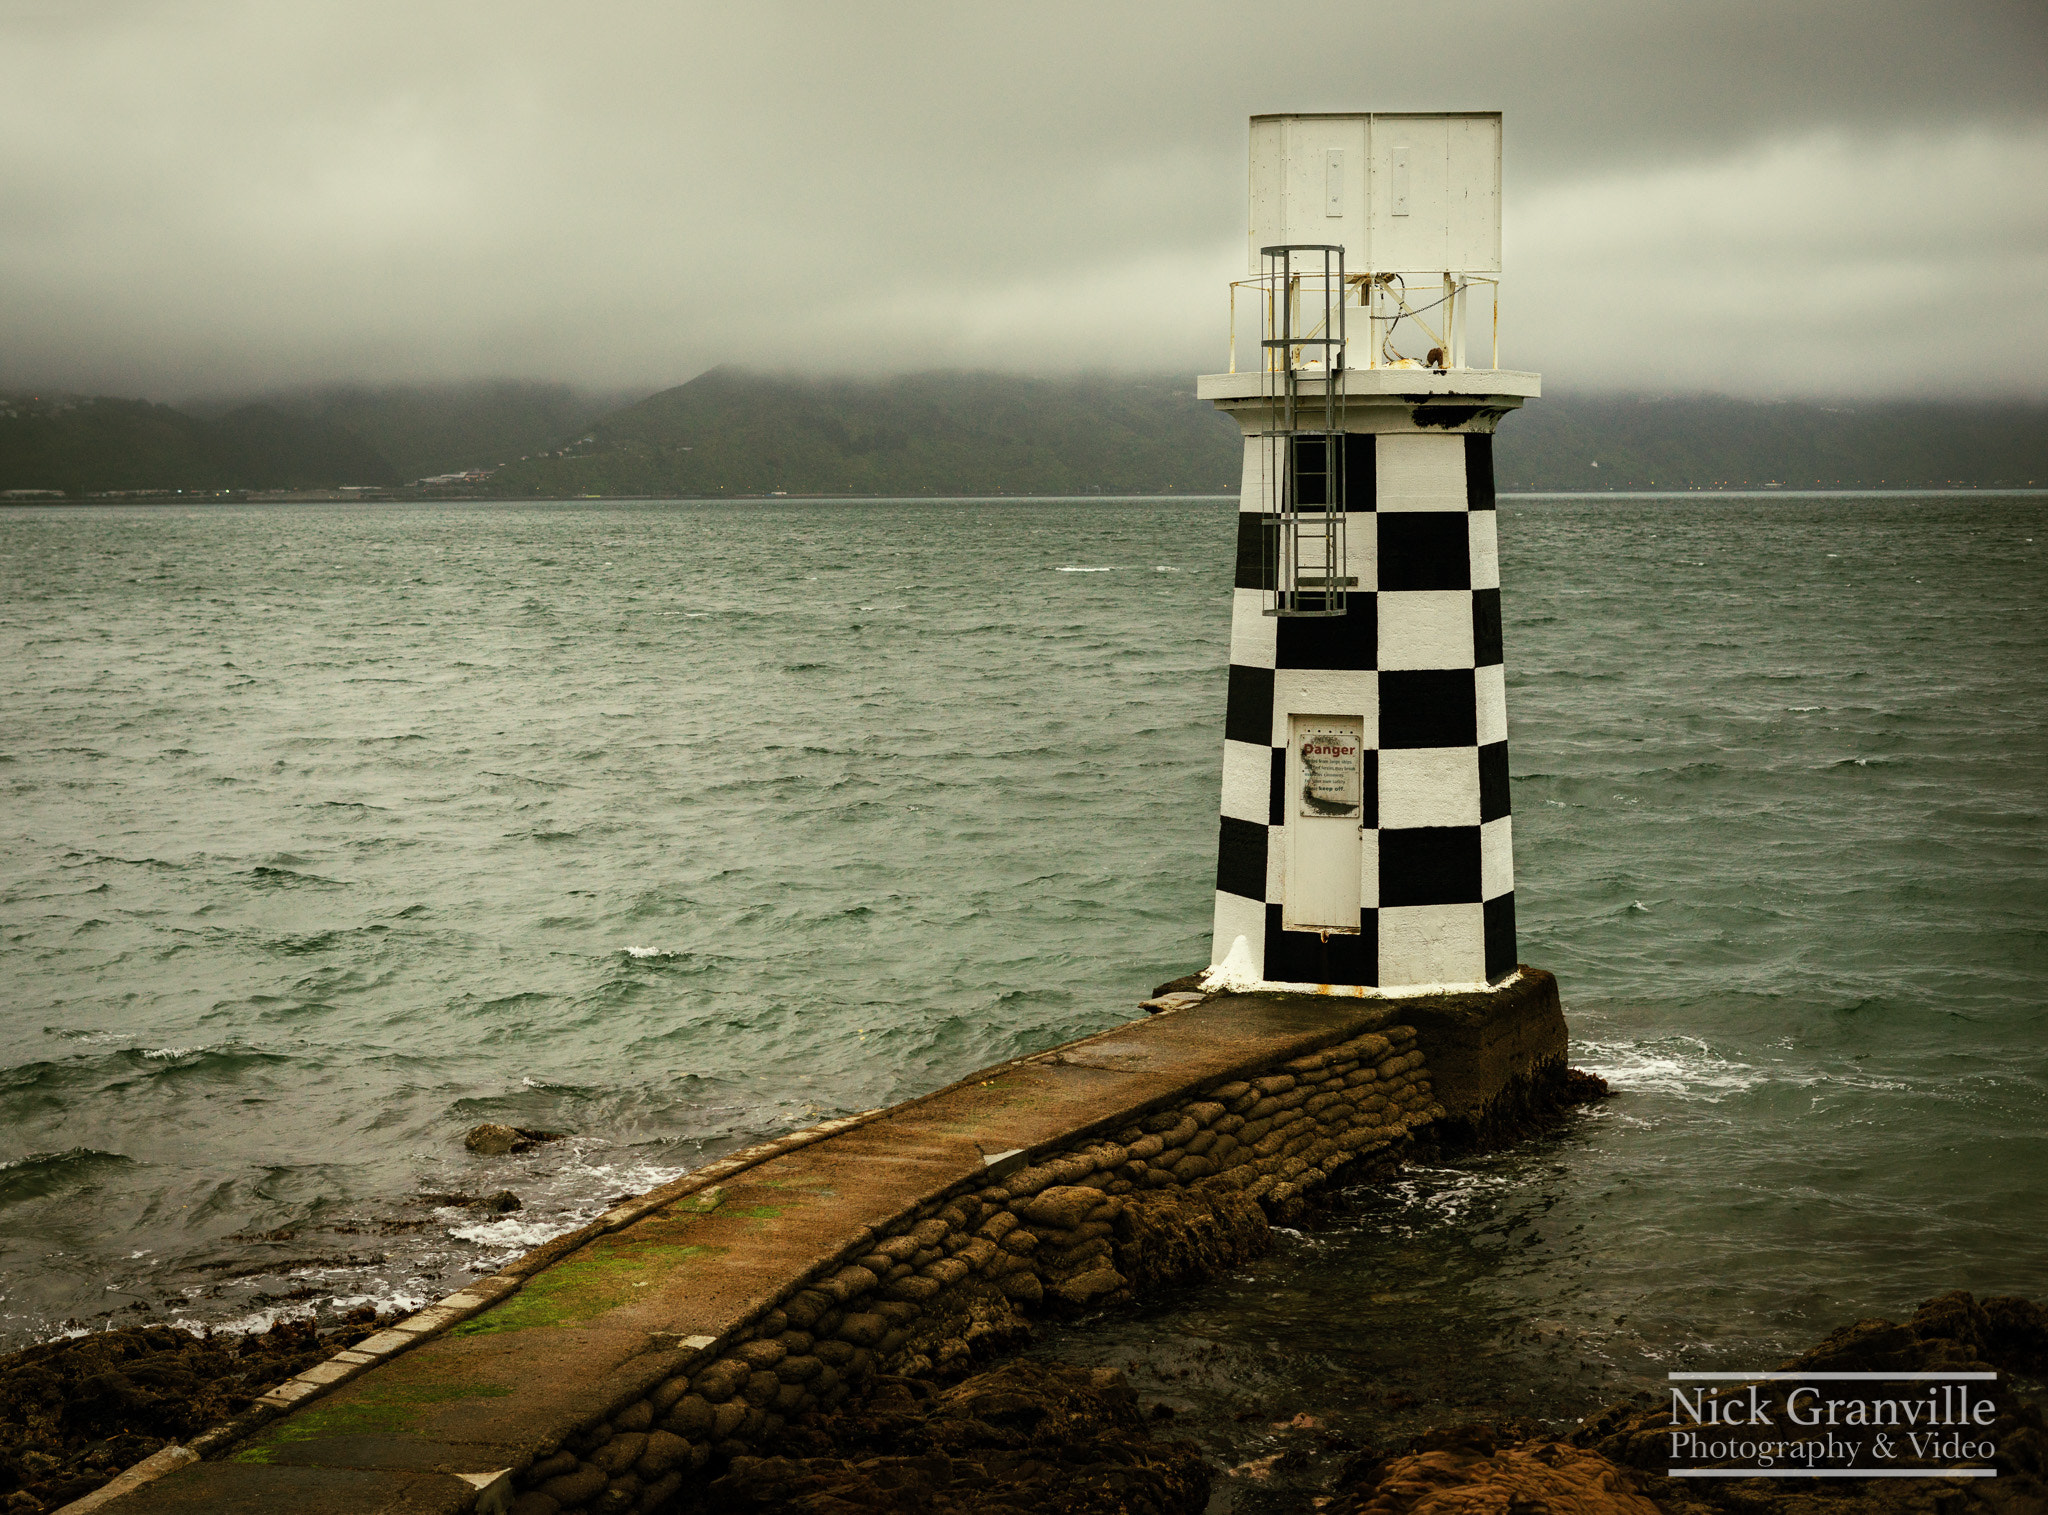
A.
pixel 330 831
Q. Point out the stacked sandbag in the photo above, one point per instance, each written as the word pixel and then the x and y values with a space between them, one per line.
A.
pixel 1165 1198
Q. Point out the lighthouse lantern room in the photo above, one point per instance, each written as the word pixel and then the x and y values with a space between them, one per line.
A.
pixel 1365 839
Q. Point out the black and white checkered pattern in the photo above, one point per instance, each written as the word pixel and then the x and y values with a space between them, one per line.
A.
pixel 1417 656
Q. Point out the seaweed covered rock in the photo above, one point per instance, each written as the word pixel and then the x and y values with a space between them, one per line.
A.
pixel 1464 1472
pixel 1952 1333
pixel 75 1412
pixel 1020 1439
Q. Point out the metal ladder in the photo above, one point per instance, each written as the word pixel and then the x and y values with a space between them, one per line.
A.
pixel 1303 471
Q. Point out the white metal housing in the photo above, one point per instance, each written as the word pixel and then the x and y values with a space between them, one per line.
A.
pixel 1400 193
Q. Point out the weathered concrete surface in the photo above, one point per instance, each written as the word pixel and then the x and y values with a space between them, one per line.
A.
pixel 1484 1051
pixel 583 1331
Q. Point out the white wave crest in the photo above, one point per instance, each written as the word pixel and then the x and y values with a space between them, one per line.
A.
pixel 1681 1065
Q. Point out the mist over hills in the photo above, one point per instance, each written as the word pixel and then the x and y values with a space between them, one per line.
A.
pixel 736 433
pixel 85 444
pixel 732 432
pixel 424 429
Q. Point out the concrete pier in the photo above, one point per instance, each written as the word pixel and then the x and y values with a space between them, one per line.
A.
pixel 611 1368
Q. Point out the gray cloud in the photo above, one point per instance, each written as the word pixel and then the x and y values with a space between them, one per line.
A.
pixel 1818 198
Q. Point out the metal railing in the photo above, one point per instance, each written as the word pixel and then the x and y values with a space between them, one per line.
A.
pixel 1388 306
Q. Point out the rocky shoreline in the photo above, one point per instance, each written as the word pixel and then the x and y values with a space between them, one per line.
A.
pixel 946 1415
pixel 76 1411
pixel 1084 1231
pixel 1031 1436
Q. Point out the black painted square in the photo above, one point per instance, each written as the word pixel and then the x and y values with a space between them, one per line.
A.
pixel 1258 550
pixel 1241 858
pixel 1313 486
pixel 1493 781
pixel 1429 865
pixel 1486 648
pixel 1303 957
pixel 1350 640
pixel 1248 708
pixel 1425 549
pixel 1361 471
pixel 1276 814
pixel 1500 937
pixel 1429 707
pixel 1478 470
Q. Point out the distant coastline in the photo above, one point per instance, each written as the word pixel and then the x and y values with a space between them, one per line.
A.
pixel 733 434
pixel 426 497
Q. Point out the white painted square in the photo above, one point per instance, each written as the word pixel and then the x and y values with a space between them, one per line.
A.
pixel 1420 472
pixel 1362 551
pixel 1432 944
pixel 1247 781
pixel 1429 786
pixel 1485 537
pixel 1497 858
pixel 1425 628
pixel 1253 633
pixel 1238 917
pixel 1492 690
pixel 1368 869
pixel 1251 493
pixel 1276 865
pixel 1326 691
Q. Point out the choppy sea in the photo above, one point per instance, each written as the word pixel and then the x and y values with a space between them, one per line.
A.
pixel 330 831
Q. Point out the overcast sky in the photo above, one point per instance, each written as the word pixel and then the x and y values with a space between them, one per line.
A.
pixel 1773 197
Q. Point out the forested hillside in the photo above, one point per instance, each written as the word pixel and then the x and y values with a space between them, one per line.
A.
pixel 731 433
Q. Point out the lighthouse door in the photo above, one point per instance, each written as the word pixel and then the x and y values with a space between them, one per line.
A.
pixel 1325 814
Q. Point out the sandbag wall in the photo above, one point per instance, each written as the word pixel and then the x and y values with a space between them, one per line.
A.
pixel 953 1277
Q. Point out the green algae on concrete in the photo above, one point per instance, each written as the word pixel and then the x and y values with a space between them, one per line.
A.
pixel 607 1273
pixel 598 1280
pixel 386 1408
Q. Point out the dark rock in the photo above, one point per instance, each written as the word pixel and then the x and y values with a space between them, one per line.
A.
pixel 1578 1087
pixel 504 1202
pixel 1951 1333
pixel 1186 1235
pixel 493 1140
pixel 75 1412
pixel 1024 1437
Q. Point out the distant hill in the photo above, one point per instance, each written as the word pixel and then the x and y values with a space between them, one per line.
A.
pixel 85 445
pixel 733 432
pixel 427 429
pixel 1704 441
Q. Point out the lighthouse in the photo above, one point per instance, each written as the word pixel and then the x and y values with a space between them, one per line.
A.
pixel 1365 841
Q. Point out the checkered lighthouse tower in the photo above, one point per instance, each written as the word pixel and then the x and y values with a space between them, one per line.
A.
pixel 1365 839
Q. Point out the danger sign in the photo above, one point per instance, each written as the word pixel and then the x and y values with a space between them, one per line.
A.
pixel 1330 772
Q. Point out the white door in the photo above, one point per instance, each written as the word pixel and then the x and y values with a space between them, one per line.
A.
pixel 1325 813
